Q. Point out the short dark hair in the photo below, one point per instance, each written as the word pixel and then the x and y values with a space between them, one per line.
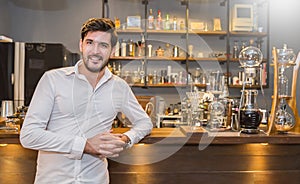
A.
pixel 100 24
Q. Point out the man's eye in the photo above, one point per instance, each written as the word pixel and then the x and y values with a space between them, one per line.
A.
pixel 89 42
pixel 104 45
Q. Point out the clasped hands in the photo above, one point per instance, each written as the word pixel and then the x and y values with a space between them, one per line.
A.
pixel 106 144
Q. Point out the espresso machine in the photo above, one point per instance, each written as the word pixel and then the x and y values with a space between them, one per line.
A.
pixel 249 114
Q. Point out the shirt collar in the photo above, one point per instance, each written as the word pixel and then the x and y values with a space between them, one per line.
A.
pixel 74 70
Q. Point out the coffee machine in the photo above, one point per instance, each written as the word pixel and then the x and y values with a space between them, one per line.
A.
pixel 156 105
pixel 249 114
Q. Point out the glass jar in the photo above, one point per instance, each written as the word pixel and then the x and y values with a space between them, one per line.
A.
pixel 249 113
pixel 136 77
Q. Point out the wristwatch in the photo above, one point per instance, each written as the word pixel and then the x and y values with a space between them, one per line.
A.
pixel 128 141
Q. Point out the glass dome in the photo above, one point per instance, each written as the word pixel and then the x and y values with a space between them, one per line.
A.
pixel 286 56
pixel 250 57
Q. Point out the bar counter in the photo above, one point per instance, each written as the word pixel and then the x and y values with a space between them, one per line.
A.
pixel 181 155
pixel 190 136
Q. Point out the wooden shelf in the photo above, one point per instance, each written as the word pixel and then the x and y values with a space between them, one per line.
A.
pixel 237 60
pixel 247 87
pixel 208 59
pixel 198 32
pixel 157 58
pixel 213 33
pixel 160 58
pixel 247 34
pixel 167 85
pixel 130 31
pixel 166 31
pixel 127 58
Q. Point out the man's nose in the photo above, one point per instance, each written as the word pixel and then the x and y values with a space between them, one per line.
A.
pixel 96 48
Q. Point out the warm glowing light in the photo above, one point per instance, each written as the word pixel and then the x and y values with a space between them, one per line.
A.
pixel 3 145
pixel 140 144
pixel 264 144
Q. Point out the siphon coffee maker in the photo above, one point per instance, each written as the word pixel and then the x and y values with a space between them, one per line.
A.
pixel 249 114
pixel 284 120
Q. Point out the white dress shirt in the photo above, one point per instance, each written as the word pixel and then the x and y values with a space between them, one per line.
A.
pixel 65 110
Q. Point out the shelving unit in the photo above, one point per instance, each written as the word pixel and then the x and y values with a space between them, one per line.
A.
pixel 225 34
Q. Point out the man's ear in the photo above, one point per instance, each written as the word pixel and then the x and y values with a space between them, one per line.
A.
pixel 80 45
pixel 113 50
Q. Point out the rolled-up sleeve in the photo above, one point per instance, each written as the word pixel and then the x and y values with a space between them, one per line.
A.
pixel 141 123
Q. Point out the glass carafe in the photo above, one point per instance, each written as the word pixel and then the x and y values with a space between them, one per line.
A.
pixel 284 121
pixel 249 114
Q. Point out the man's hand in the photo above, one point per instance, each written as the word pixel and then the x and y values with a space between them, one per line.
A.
pixel 105 145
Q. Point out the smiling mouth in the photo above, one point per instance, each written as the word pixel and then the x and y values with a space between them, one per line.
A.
pixel 95 58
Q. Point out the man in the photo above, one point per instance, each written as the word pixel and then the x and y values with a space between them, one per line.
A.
pixel 71 113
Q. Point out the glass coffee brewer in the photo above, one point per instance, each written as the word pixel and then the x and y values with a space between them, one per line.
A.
pixel 249 114
pixel 284 113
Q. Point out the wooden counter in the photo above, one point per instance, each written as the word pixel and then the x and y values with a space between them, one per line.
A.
pixel 210 157
pixel 182 155
pixel 7 137
pixel 191 136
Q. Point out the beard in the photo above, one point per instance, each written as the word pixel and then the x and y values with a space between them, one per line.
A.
pixel 93 69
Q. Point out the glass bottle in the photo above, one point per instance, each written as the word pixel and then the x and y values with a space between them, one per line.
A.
pixel 141 46
pixel 167 25
pixel 158 21
pixel 174 23
pixel 150 78
pixel 131 48
pixel 176 109
pixel 244 45
pixel 123 49
pixel 235 50
pixel 117 23
pixel 150 20
pixel 155 77
pixel 168 52
pixel 175 51
pixel 181 25
pixel 117 49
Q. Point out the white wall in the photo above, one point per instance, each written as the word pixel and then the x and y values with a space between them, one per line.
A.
pixel 4 18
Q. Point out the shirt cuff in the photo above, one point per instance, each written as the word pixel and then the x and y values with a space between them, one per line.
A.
pixel 77 148
pixel 132 139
